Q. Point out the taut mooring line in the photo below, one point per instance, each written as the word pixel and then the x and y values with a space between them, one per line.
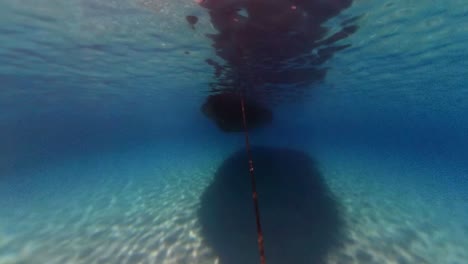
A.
pixel 261 248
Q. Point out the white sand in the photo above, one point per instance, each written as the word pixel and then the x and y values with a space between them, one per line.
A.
pixel 140 207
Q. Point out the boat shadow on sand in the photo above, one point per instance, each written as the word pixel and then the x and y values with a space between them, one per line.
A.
pixel 300 217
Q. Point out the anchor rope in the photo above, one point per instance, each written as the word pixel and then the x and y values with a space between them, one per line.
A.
pixel 261 248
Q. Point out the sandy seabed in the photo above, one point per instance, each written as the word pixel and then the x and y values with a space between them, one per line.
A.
pixel 142 207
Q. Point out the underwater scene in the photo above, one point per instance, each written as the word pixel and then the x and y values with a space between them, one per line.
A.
pixel 233 131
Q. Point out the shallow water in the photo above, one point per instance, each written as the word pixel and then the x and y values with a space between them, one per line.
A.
pixel 106 156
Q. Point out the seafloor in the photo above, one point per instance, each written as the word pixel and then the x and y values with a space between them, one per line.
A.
pixel 142 206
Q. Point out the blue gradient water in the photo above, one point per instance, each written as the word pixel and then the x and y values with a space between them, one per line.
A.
pixel 105 155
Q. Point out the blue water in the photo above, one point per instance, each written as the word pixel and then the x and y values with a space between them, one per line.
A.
pixel 105 156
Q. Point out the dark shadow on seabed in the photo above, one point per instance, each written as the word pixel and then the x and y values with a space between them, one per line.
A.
pixel 301 219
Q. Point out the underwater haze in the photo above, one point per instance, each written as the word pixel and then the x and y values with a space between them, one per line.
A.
pixel 122 138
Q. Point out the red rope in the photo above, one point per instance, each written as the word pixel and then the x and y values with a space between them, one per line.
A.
pixel 254 188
